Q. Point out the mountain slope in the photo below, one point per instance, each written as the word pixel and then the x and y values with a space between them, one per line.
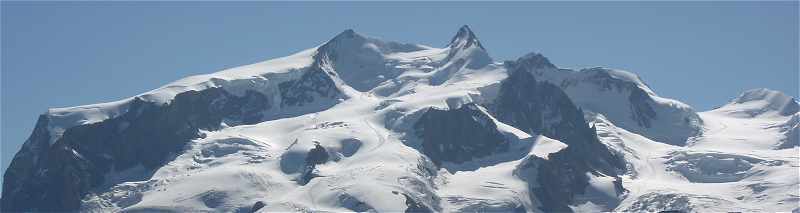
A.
pixel 733 166
pixel 362 124
pixel 621 96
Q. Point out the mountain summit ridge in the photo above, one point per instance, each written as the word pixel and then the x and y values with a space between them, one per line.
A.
pixel 425 129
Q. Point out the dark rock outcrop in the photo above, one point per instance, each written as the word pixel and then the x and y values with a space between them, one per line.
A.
pixel 258 205
pixel 459 135
pixel 532 62
pixel 314 84
pixel 317 155
pixel 641 110
pixel 543 108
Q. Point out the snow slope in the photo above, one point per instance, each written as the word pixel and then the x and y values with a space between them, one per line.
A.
pixel 621 96
pixel 733 166
pixel 354 145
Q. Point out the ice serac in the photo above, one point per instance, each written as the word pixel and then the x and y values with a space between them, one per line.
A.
pixel 317 155
pixel 619 95
pixel 460 134
pixel 543 108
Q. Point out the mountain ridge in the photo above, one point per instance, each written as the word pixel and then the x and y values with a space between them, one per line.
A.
pixel 277 131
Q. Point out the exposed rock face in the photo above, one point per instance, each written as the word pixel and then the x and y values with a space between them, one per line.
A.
pixel 258 205
pixel 464 39
pixel 536 107
pixel 459 135
pixel 533 62
pixel 317 155
pixel 314 84
pixel 543 108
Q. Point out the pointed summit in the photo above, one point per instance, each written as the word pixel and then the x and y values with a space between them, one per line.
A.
pixel 465 38
pixel 348 36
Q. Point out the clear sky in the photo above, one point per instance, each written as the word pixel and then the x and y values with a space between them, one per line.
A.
pixel 68 54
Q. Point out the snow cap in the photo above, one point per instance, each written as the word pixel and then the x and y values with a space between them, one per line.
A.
pixel 774 100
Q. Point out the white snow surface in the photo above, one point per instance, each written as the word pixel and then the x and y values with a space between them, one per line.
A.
pixel 760 103
pixel 606 91
pixel 732 166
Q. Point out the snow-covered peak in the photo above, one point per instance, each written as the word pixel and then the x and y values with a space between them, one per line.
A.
pixel 534 61
pixel 363 62
pixel 762 101
pixel 349 40
pixel 775 99
pixel 465 50
pixel 619 95
pixel 620 77
pixel 465 38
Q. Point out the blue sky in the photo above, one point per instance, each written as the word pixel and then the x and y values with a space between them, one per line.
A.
pixel 68 54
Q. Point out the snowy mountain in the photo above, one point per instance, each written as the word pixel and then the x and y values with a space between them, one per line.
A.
pixel 622 97
pixel 363 124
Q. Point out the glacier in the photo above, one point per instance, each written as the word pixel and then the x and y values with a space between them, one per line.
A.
pixel 362 124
